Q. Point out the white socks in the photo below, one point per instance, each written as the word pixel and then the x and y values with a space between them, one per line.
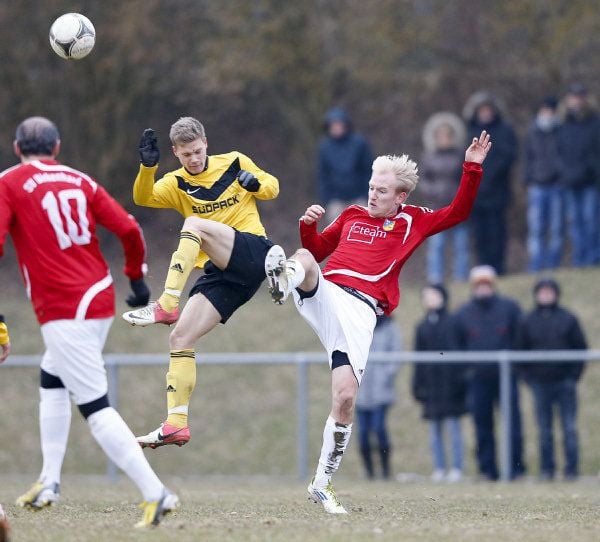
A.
pixel 335 439
pixel 119 444
pixel 55 421
pixel 295 274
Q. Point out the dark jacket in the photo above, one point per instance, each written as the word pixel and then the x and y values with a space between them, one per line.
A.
pixel 542 165
pixel 440 172
pixel 490 324
pixel 551 328
pixel 440 387
pixel 494 192
pixel 579 150
pixel 344 166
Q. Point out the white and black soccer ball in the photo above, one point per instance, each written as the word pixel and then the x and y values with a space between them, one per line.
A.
pixel 72 35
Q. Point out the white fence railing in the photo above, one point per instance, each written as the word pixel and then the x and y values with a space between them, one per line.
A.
pixel 504 358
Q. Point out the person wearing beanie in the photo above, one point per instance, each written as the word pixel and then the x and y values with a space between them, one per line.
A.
pixel 490 321
pixel 549 326
pixel 344 164
pixel 541 173
pixel 441 387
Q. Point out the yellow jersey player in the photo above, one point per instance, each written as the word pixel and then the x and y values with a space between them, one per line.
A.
pixel 222 232
pixel 4 340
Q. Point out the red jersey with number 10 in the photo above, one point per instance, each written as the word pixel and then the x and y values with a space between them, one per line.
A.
pixel 51 212
pixel 367 253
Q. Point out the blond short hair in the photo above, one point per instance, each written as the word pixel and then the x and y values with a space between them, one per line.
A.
pixel 404 169
pixel 186 130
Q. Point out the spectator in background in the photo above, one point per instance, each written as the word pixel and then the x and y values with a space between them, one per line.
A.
pixel 376 394
pixel 440 387
pixel 344 167
pixel 490 322
pixel 544 195
pixel 441 169
pixel 579 154
pixel 488 218
pixel 551 327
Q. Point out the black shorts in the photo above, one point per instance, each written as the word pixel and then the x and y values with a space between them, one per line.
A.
pixel 229 289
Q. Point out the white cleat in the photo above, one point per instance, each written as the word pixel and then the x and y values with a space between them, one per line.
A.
pixel 327 497
pixel 39 496
pixel 275 269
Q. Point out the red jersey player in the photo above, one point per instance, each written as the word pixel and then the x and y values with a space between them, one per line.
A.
pixel 51 212
pixel 367 247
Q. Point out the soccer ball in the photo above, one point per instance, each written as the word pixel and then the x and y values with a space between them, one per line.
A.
pixel 72 36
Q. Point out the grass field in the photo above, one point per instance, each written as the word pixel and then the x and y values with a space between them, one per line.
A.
pixel 270 510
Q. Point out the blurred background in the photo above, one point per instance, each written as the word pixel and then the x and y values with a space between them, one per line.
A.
pixel 260 75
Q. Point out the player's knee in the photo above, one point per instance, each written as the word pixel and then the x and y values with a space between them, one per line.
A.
pixel 304 257
pixel 343 398
pixel 179 339
pixel 193 224
pixel 87 409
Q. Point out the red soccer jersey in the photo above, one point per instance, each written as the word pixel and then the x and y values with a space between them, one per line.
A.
pixel 367 253
pixel 51 212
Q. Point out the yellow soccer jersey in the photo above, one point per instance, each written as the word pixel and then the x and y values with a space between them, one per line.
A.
pixel 214 194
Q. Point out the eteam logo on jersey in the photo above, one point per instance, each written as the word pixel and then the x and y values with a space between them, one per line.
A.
pixel 361 232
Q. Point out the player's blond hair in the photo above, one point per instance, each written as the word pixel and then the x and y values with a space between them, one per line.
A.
pixel 404 169
pixel 186 130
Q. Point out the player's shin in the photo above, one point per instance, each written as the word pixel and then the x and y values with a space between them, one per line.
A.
pixel 55 422
pixel 335 440
pixel 119 444
pixel 181 380
pixel 182 263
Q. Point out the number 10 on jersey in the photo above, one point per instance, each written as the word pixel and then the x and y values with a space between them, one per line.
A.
pixel 69 230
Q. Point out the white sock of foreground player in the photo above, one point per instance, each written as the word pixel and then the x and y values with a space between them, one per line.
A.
pixel 119 444
pixel 295 273
pixel 335 439
pixel 55 422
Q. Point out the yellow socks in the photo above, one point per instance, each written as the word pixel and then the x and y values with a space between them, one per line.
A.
pixel 182 263
pixel 181 380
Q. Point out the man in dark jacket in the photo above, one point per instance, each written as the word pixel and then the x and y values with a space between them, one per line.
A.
pixel 551 327
pixel 544 195
pixel 579 154
pixel 488 217
pixel 344 167
pixel 490 322
pixel 440 387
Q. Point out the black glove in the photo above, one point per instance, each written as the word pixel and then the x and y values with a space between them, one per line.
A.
pixel 141 293
pixel 248 181
pixel 149 153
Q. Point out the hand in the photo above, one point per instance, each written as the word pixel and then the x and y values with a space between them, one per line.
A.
pixel 141 293
pixel 248 181
pixel 4 351
pixel 312 214
pixel 149 153
pixel 479 148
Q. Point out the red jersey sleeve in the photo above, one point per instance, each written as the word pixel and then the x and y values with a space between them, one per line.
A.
pixel 114 218
pixel 430 223
pixel 321 245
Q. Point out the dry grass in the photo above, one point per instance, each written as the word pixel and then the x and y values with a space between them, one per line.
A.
pixel 255 510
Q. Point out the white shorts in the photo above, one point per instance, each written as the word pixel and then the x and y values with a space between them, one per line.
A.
pixel 341 321
pixel 74 354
